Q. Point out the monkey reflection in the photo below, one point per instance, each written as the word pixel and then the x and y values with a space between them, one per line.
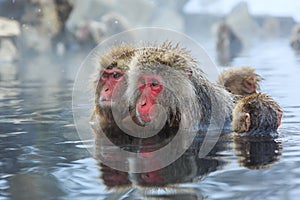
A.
pixel 240 80
pixel 113 178
pixel 256 115
pixel 257 153
pixel 188 168
pixel 228 44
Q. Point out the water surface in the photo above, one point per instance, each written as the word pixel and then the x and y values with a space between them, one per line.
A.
pixel 42 157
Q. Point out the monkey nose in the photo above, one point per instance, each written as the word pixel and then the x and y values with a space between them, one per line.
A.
pixel 143 103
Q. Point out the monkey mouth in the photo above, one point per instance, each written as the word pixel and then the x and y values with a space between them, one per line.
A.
pixel 146 116
pixel 144 119
pixel 106 102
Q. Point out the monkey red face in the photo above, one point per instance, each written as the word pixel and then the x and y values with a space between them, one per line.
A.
pixel 109 80
pixel 150 86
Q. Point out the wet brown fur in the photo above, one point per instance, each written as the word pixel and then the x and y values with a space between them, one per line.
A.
pixel 265 114
pixel 187 94
pixel 117 57
pixel 240 80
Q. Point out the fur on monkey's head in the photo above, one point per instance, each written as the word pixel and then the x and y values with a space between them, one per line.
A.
pixel 174 66
pixel 117 57
pixel 165 54
pixel 240 80
pixel 259 110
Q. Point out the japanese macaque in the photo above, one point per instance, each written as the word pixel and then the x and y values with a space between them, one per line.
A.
pixel 256 114
pixel 228 44
pixel 62 40
pixel 240 80
pixel 295 37
pixel 110 80
pixel 163 84
pixel 95 31
pixel 166 79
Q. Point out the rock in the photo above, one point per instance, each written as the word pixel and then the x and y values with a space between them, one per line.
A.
pixel 242 23
pixel 228 44
pixel 9 28
pixel 8 50
pixel 9 34
pixel 295 37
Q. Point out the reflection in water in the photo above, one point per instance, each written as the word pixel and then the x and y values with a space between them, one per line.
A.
pixel 188 168
pixel 228 44
pixel 34 186
pixel 257 153
pixel 35 121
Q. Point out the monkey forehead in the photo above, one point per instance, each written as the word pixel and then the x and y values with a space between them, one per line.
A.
pixel 236 74
pixel 121 64
pixel 165 54
pixel 117 56
pixel 258 101
pixel 111 71
pixel 158 69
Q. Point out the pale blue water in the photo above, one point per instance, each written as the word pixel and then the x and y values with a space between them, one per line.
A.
pixel 42 157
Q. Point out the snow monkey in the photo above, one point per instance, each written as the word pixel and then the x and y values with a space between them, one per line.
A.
pixel 256 114
pixel 168 76
pixel 240 80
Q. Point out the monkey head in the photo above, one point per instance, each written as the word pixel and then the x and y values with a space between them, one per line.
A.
pixel 240 80
pixel 255 114
pixel 110 78
pixel 110 81
pixel 149 86
pixel 160 82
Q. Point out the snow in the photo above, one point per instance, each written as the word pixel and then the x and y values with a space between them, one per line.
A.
pixel 256 7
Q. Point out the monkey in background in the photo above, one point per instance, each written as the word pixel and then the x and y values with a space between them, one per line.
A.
pixel 240 80
pixel 256 114
pixel 228 44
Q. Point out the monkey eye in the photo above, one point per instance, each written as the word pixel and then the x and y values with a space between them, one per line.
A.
pixel 155 83
pixel 142 81
pixel 105 75
pixel 155 86
pixel 117 75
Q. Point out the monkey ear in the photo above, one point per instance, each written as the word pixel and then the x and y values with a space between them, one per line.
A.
pixel 279 119
pixel 247 122
pixel 251 83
